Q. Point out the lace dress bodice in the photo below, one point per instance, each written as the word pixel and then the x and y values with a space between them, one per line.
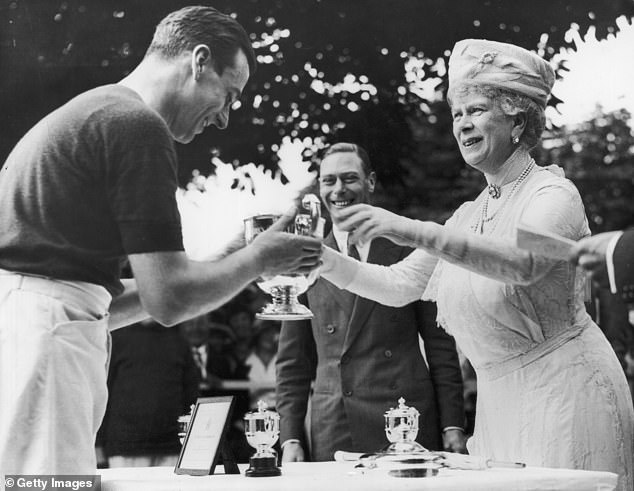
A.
pixel 492 320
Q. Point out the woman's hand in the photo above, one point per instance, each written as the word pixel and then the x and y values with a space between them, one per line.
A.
pixel 365 222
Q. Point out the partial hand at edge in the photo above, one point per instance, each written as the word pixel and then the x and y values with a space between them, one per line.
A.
pixel 590 253
pixel 454 441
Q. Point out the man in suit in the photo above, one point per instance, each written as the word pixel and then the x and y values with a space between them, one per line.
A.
pixel 363 356
pixel 610 259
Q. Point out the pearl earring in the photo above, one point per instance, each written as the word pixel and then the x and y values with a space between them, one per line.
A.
pixel 515 140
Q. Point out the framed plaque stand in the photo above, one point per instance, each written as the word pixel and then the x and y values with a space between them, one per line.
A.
pixel 205 443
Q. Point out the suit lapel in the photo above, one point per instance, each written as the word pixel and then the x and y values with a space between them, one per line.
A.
pixel 383 252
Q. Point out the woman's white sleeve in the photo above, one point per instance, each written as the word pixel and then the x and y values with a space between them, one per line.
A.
pixel 553 208
pixel 395 285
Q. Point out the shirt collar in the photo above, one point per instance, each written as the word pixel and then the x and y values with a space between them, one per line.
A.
pixel 341 237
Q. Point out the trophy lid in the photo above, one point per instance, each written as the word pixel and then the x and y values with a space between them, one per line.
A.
pixel 402 410
pixel 261 412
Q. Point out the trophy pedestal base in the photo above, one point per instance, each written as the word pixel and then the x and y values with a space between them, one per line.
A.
pixel 293 312
pixel 404 447
pixel 263 467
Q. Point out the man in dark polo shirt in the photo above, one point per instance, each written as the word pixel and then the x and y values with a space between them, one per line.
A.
pixel 89 187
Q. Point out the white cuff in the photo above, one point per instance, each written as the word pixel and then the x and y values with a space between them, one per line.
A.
pixel 290 440
pixel 609 261
pixel 447 428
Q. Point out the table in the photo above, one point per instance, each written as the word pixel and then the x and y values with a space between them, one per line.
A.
pixel 335 476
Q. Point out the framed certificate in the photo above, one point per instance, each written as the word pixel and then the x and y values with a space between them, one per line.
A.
pixel 205 444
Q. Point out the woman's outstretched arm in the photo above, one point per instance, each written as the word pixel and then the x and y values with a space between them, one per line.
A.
pixel 553 208
pixel 395 285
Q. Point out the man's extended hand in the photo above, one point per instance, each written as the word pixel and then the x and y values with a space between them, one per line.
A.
pixel 293 452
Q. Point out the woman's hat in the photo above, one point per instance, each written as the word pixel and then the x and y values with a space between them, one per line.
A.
pixel 483 62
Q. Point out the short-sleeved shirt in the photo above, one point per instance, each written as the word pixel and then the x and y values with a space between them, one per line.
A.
pixel 91 183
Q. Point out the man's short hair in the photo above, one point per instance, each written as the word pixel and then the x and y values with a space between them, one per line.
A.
pixel 344 147
pixel 184 29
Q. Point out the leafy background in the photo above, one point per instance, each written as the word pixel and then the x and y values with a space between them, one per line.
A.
pixel 391 54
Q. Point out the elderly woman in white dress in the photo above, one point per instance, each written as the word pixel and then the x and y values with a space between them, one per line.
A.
pixel 550 389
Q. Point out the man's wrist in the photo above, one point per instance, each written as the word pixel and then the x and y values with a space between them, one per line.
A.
pixel 257 259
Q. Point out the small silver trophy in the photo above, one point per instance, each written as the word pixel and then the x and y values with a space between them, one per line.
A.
pixel 401 429
pixel 183 423
pixel 285 288
pixel 262 429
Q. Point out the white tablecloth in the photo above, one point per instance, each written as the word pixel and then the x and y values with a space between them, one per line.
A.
pixel 341 476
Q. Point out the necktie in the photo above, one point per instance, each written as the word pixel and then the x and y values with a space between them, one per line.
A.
pixel 353 251
pixel 198 359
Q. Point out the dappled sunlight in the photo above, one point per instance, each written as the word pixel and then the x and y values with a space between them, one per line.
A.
pixel 214 207
pixel 601 74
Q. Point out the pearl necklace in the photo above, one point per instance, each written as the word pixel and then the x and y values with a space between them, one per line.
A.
pixel 495 190
pixel 484 218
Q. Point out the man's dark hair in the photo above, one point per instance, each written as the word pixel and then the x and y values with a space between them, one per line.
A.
pixel 344 147
pixel 184 29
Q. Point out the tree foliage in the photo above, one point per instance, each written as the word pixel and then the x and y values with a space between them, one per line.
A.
pixel 369 71
pixel 598 156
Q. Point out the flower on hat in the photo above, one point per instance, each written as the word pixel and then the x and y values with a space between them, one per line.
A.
pixel 487 57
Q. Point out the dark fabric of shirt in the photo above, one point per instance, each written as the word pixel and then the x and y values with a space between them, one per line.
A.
pixel 152 381
pixel 92 182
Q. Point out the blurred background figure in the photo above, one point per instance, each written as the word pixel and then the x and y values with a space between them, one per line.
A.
pixel 211 343
pixel 240 318
pixel 152 380
pixel 220 372
pixel 261 363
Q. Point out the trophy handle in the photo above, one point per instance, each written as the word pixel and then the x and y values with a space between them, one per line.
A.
pixel 311 203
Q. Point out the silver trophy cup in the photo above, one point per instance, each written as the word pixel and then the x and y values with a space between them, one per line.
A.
pixel 401 429
pixel 285 288
pixel 183 423
pixel 262 429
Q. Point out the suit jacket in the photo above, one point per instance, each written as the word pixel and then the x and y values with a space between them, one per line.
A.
pixel 364 356
pixel 623 259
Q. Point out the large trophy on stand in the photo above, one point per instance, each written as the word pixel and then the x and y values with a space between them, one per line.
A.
pixel 401 429
pixel 285 288
pixel 262 429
